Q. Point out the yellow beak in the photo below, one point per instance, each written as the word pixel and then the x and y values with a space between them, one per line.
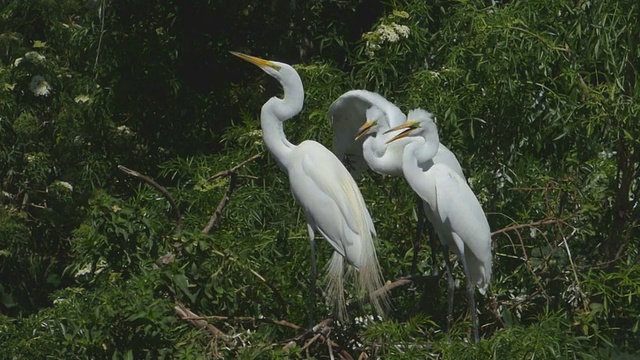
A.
pixel 255 60
pixel 408 127
pixel 364 129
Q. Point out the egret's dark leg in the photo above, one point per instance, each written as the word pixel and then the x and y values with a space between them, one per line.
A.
pixel 472 301
pixel 312 278
pixel 434 248
pixel 451 284
pixel 422 224
pixel 419 230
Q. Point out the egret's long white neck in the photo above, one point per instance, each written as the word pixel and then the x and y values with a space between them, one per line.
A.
pixel 429 147
pixel 275 112
pixel 419 151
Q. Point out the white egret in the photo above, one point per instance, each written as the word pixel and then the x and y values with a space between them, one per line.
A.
pixel 358 113
pixel 453 208
pixel 350 121
pixel 327 193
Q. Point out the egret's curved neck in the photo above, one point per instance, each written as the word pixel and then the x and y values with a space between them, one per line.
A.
pixel 275 112
pixel 419 151
pixel 373 151
pixel 428 148
pixel 375 144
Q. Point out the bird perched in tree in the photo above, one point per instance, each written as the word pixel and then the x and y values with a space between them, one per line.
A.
pixel 327 193
pixel 452 207
pixel 361 120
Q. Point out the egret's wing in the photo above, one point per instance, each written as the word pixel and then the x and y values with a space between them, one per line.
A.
pixel 446 157
pixel 458 206
pixel 331 198
pixel 348 113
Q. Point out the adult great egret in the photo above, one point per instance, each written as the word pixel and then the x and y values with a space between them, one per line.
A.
pixel 453 208
pixel 328 195
pixel 350 121
pixel 358 113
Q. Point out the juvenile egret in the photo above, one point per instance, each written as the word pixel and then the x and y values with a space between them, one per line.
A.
pixel 358 113
pixel 328 195
pixel 453 208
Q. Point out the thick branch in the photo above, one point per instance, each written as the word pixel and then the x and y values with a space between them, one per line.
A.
pixel 161 189
pixel 189 316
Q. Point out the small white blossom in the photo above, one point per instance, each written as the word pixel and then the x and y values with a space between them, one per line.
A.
pixel 387 33
pixel 124 130
pixel 39 86
pixel 400 14
pixel 34 56
pixel 81 99
pixel 402 30
pixel 64 184
pixel 83 271
pixel 17 61
pixel 59 301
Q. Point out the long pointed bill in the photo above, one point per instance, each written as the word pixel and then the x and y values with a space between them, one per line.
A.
pixel 255 60
pixel 408 127
pixel 364 129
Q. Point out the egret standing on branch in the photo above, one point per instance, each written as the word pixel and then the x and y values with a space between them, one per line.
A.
pixel 358 113
pixel 453 208
pixel 328 195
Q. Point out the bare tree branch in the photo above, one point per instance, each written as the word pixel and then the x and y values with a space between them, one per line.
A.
pixel 547 221
pixel 189 316
pixel 223 203
pixel 161 189
pixel 233 177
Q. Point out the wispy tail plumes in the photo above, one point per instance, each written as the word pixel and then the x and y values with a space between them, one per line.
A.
pixel 335 285
pixel 368 279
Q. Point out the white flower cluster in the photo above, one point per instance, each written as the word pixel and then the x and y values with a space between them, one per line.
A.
pixel 39 86
pixel 124 130
pixel 32 56
pixel 386 33
pixel 64 184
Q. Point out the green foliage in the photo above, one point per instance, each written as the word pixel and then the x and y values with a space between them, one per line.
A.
pixel 538 100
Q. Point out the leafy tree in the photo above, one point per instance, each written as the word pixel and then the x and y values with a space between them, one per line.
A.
pixel 140 216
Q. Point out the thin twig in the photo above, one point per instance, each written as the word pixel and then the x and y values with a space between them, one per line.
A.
pixel 223 202
pixel 235 168
pixel 527 225
pixel 161 189
pixel 233 176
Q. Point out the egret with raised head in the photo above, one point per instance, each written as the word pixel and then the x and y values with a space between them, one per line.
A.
pixel 326 191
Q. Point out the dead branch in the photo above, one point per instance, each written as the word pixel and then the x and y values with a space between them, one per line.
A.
pixel 249 319
pixel 223 203
pixel 189 316
pixel 233 177
pixel 161 189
